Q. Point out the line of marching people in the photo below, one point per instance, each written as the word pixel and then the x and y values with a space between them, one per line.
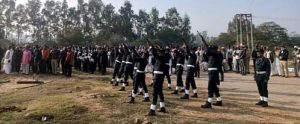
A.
pixel 131 62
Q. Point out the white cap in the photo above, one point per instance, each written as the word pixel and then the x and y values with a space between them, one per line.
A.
pixel 295 47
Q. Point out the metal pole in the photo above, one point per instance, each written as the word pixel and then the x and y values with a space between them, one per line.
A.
pixel 252 45
pixel 236 29
pixel 241 30
pixel 247 32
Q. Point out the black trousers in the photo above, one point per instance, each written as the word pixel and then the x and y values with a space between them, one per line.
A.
pixel 128 72
pixel 237 67
pixel 262 85
pixel 229 61
pixel 116 69
pixel 243 66
pixel 221 72
pixel 167 74
pixel 213 80
pixel 139 80
pixel 68 69
pixel 157 88
pixel 92 67
pixel 179 72
pixel 197 70
pixel 121 71
pixel 103 68
pixel 254 61
pixel 190 79
pixel 43 66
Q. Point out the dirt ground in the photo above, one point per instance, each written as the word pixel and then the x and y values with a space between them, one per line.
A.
pixel 86 98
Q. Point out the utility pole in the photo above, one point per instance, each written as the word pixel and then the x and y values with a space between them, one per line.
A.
pixel 242 21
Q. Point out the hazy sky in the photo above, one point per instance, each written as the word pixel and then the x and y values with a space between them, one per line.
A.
pixel 214 15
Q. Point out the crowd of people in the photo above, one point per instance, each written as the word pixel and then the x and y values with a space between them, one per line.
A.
pixel 133 62
pixel 54 60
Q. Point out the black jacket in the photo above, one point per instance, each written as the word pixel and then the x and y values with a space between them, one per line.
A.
pixel 284 55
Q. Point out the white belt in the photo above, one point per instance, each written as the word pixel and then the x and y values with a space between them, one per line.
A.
pixel 138 71
pixel 168 64
pixel 179 64
pixel 192 66
pixel 128 62
pixel 135 68
pixel 123 61
pixel 158 72
pixel 261 72
pixel 212 69
pixel 118 61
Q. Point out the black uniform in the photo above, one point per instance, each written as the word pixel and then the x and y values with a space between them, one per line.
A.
pixel 220 67
pixel 168 66
pixel 128 69
pixel 158 80
pixel 92 61
pixel 17 59
pixel 192 58
pixel 211 57
pixel 139 76
pixel 103 61
pixel 118 62
pixel 263 70
pixel 179 70
pixel 63 55
pixel 122 68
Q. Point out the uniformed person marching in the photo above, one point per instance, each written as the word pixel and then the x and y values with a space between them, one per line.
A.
pixel 128 70
pixel 122 68
pixel 192 58
pixel 118 53
pixel 262 75
pixel 179 70
pixel 168 57
pixel 211 56
pixel 139 76
pixel 158 79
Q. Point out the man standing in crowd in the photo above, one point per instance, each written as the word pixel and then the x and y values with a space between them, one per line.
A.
pixel 243 57
pixel 37 57
pixel 69 62
pixel 229 58
pixel 298 62
pixel 26 58
pixel 263 70
pixel 17 59
pixel 295 60
pixel 54 59
pixel 283 56
pixel 45 56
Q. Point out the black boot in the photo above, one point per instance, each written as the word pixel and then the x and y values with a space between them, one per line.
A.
pixel 185 96
pixel 126 84
pixel 151 113
pixel 163 110
pixel 260 102
pixel 218 103
pixel 111 82
pixel 131 100
pixel 175 92
pixel 122 89
pixel 265 104
pixel 146 99
pixel 195 95
pixel 206 105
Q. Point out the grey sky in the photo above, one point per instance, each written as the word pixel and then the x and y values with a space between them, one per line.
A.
pixel 214 15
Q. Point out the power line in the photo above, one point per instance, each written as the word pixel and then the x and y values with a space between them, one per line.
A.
pixel 277 18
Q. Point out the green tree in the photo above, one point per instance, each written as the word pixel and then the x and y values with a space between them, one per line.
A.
pixel 20 18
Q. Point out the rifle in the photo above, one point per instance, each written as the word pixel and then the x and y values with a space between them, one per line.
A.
pixel 203 40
